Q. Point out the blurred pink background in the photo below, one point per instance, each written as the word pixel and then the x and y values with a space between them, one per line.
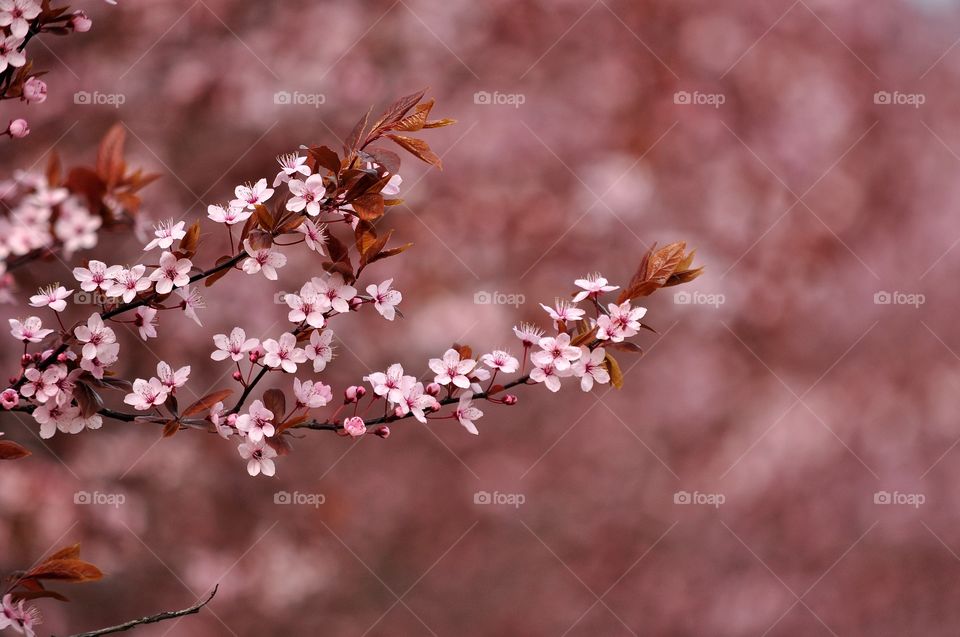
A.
pixel 783 140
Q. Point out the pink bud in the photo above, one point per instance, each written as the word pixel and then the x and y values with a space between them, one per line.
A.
pixel 9 399
pixel 382 431
pixel 237 376
pixel 18 128
pixel 398 412
pixel 350 394
pixel 354 426
pixel 232 420
pixel 355 302
pixel 510 399
pixel 35 90
pixel 255 354
pixel 80 22
pixel 433 389
pixel 25 360
pixel 63 357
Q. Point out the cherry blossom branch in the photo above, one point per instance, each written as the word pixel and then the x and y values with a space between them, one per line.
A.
pixel 151 619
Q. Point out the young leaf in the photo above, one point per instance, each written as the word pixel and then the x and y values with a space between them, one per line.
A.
pixel 10 450
pixel 208 401
pixel 418 148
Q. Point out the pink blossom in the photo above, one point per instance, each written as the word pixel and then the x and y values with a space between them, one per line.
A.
pixel 17 128
pixel 80 21
pixel 10 55
pixel 42 385
pixel 35 91
pixel 145 320
pixel 229 215
pixel 621 322
pixel 556 351
pixel 17 15
pixel 54 297
pixel 528 333
pixel 314 237
pixel 165 234
pixel 467 413
pixel 283 353
pixel 414 400
pixel 18 617
pixel 96 275
pixel 563 311
pixel 173 272
pixel 259 457
pixel 127 283
pixel 312 394
pixel 319 350
pixel 354 426
pixel 94 335
pixel 290 165
pixel 233 346
pixel 590 368
pixel 308 306
pixel 106 355
pixel 266 260
pixel 30 330
pixel 593 285
pixel 384 299
pixel 192 301
pixel 257 423
pixel 172 379
pixel 549 375
pixel 392 189
pixel 388 384
pixel 308 194
pixel 336 291
pixel 501 360
pixel 146 394
pixel 250 196
pixel 450 369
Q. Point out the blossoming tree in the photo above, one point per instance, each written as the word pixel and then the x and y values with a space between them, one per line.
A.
pixel 326 202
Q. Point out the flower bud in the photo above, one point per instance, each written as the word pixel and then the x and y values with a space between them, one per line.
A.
pixel 63 357
pixel 35 91
pixel 398 412
pixel 382 431
pixel 237 376
pixel 10 399
pixel 25 360
pixel 351 394
pixel 18 128
pixel 355 302
pixel 80 22
pixel 232 420
pixel 355 426
pixel 510 399
pixel 433 389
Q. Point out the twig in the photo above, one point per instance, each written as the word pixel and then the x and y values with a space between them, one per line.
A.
pixel 151 619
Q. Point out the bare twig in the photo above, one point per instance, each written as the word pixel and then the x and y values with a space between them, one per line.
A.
pixel 151 619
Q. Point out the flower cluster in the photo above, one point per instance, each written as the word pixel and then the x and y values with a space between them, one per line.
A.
pixel 316 198
pixel 20 21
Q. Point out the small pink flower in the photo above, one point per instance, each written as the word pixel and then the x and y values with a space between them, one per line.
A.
pixel 315 237
pixel 319 350
pixel 467 413
pixel 308 306
pixel 10 55
pixel 54 297
pixel 266 260
pixel 172 379
pixel 556 351
pixel 308 195
pixel 621 322
pixel 528 334
pixel 172 273
pixel 95 336
pixel 17 15
pixel 385 298
pixel 18 617
pixel 145 320
pixel 191 302
pixel 257 423
pixel 35 91
pixel 354 426
pixel 80 21
pixel 283 353
pixel 563 311
pixel 592 285
pixel 235 346
pixel 229 215
pixel 392 189
pixel 127 283
pixel 96 275
pixel 388 384
pixel 146 394
pixel 590 368
pixel 414 400
pixel 290 165
pixel 259 457
pixel 549 375
pixel 336 291
pixel 250 196
pixel 165 234
pixel 29 331
pixel 450 369
pixel 312 394
pixel 501 360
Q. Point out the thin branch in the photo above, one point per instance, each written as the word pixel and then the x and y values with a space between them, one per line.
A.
pixel 152 619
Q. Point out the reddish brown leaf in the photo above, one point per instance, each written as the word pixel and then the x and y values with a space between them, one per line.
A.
pixel 170 428
pixel 369 207
pixel 418 148
pixel 110 166
pixel 275 401
pixel 10 450
pixel 208 401
pixel 65 570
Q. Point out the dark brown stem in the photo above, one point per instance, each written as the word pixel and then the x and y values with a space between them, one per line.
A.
pixel 151 619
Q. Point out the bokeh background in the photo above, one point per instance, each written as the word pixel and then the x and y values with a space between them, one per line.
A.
pixel 782 386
